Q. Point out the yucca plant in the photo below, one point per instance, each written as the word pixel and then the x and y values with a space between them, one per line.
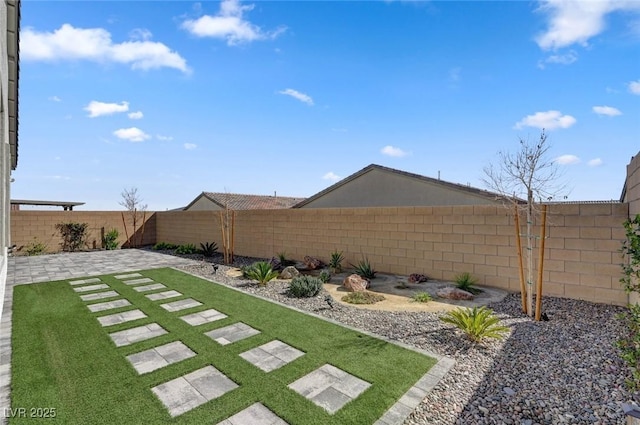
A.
pixel 284 260
pixel 335 261
pixel 466 282
pixel 208 249
pixel 364 269
pixel 261 271
pixel 477 323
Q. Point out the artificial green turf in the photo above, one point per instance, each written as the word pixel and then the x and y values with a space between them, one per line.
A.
pixel 62 358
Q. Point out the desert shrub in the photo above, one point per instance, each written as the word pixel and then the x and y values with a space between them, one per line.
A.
pixel 186 249
pixel 362 297
pixel 74 235
pixel 466 282
pixel 477 323
pixel 110 240
pixel 260 271
pixel 421 297
pixel 284 260
pixel 164 246
pixel 35 247
pixel 335 261
pixel 324 276
pixel 208 249
pixel 364 269
pixel 305 286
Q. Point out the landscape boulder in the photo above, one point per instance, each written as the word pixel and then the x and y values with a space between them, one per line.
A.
pixel 452 293
pixel 289 272
pixel 355 283
pixel 417 278
pixel 312 263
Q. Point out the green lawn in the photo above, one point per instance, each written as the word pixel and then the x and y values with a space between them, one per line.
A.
pixel 62 358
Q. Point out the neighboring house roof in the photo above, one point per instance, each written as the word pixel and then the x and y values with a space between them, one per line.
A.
pixel 64 204
pixel 454 186
pixel 237 201
pixel 13 55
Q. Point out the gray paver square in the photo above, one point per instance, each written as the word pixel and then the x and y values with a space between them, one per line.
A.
pixel 137 281
pixel 159 357
pixel 256 414
pixel 181 305
pixel 99 296
pixel 91 288
pixel 84 281
pixel 329 387
pixel 272 355
pixel 146 288
pixel 193 389
pixel 127 276
pixel 232 333
pixel 202 317
pixel 125 316
pixel 163 295
pixel 108 305
pixel 140 333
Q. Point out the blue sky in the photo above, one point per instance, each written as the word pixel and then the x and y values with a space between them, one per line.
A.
pixel 176 98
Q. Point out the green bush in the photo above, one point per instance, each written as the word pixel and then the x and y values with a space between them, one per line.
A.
pixel 362 297
pixel 110 240
pixel 421 297
pixel 364 269
pixel 260 271
pixel 324 276
pixel 466 282
pixel 186 249
pixel 335 261
pixel 477 323
pixel 305 286
pixel 208 249
pixel 164 246
pixel 74 235
pixel 36 247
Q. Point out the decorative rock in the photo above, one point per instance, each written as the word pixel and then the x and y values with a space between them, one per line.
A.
pixel 275 264
pixel 452 293
pixel 509 391
pixel 355 283
pixel 417 278
pixel 289 272
pixel 312 263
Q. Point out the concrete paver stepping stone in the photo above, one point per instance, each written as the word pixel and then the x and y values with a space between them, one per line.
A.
pixel 137 281
pixel 125 316
pixel 84 281
pixel 202 317
pixel 329 387
pixel 256 414
pixel 99 296
pixel 140 333
pixel 90 288
pixel 108 305
pixel 146 288
pixel 181 304
pixel 159 357
pixel 127 276
pixel 193 389
pixel 163 295
pixel 272 355
pixel 232 333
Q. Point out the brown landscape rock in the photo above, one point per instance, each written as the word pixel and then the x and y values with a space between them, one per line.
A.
pixel 312 263
pixel 355 283
pixel 452 293
pixel 417 278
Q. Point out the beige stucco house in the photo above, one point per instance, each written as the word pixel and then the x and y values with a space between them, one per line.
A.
pixel 378 186
pixel 213 201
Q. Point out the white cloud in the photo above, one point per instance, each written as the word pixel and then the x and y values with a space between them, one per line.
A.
pixel 331 176
pixel 393 151
pixel 575 22
pixel 132 134
pixel 634 87
pixel 454 74
pixel 229 24
pixel 98 109
pixel 164 138
pixel 297 95
pixel 136 115
pixel 190 146
pixel 594 162
pixel 567 159
pixel 55 99
pixel 548 120
pixel 606 110
pixel 95 44
pixel 140 34
pixel 564 59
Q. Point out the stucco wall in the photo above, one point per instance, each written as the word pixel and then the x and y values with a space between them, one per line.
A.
pixel 380 188
pixel 633 185
pixel 204 204
pixel 5 157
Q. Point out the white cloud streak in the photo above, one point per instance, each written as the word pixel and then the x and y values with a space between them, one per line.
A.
pixel 548 120
pixel 564 59
pixel 594 162
pixel 393 151
pixel 164 138
pixel 606 110
pixel 136 115
pixel 55 99
pixel 95 44
pixel 190 146
pixel 634 87
pixel 132 134
pixel 331 176
pixel 567 160
pixel 298 95
pixel 99 109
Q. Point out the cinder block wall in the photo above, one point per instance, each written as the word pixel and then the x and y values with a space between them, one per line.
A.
pixel 582 259
pixel 40 226
pixel 633 185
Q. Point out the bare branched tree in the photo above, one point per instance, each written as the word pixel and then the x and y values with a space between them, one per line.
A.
pixel 528 175
pixel 137 212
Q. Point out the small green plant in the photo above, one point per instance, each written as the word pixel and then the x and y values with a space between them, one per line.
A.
pixel 466 282
pixel 36 247
pixel 477 323
pixel 284 260
pixel 260 271
pixel 324 276
pixel 362 297
pixel 164 246
pixel 110 240
pixel 305 286
pixel 421 297
pixel 364 269
pixel 186 249
pixel 208 249
pixel 74 235
pixel 335 261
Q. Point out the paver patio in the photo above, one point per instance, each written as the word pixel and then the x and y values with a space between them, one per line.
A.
pixel 272 355
pixel 163 295
pixel 181 305
pixel 125 316
pixel 159 357
pixel 256 414
pixel 203 317
pixel 108 305
pixel 90 288
pixel 232 333
pixel 99 296
pixel 140 333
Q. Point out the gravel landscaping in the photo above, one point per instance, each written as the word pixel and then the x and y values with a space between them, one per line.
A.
pixel 566 370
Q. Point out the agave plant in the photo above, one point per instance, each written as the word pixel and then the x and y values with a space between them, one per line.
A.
pixel 208 248
pixel 335 262
pixel 261 271
pixel 364 269
pixel 477 323
pixel 466 282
